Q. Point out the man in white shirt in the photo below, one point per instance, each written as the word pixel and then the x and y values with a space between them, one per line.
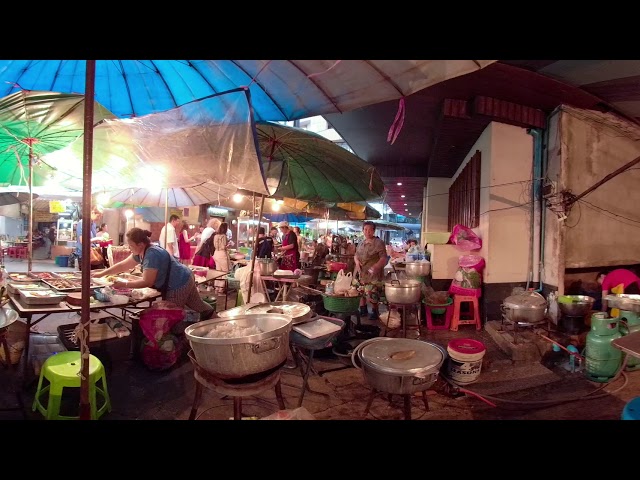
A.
pixel 172 238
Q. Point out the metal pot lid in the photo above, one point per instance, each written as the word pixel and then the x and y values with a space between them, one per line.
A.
pixel 525 300
pixel 296 310
pixel 402 356
pixel 234 312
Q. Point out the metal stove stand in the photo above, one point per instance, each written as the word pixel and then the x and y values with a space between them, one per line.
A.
pixel 518 326
pixel 235 388
pixel 403 317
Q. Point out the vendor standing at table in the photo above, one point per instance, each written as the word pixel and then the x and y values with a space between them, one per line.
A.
pixel 370 259
pixel 96 212
pixel 289 248
pixel 160 270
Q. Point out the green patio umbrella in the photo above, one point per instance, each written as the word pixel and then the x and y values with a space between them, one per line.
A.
pixel 33 124
pixel 303 165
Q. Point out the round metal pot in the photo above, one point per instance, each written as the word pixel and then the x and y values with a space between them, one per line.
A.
pixel 527 308
pixel 267 266
pixel 575 305
pixel 238 357
pixel 399 366
pixel 417 269
pixel 403 291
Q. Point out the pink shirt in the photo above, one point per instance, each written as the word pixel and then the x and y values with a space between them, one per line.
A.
pixel 619 276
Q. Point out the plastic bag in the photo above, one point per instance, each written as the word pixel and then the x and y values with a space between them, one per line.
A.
pixel 464 238
pixel 468 279
pixel 342 282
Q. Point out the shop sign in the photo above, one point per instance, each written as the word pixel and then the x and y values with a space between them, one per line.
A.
pixel 56 206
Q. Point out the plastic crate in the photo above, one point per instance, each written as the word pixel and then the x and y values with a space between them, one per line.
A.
pixel 111 350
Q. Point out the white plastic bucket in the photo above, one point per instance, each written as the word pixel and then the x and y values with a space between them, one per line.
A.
pixel 465 360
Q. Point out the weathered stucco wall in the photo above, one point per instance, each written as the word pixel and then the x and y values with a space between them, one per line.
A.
pixel 604 228
pixel 552 271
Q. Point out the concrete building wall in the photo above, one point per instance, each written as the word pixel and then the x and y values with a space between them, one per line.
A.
pixel 435 205
pixel 604 228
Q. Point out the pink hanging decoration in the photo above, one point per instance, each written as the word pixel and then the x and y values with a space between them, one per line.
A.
pixel 397 124
pixel 311 75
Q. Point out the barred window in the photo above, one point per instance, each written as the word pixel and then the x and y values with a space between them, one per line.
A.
pixel 464 195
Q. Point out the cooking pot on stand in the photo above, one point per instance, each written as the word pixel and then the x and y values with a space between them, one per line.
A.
pixel 267 266
pixel 399 366
pixel 242 345
pixel 526 308
pixel 403 291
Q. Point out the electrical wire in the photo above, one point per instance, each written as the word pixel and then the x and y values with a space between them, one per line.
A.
pixel 506 208
pixel 557 401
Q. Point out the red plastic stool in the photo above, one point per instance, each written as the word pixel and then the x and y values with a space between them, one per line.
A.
pixel 12 252
pixel 458 319
pixel 439 311
pixel 22 252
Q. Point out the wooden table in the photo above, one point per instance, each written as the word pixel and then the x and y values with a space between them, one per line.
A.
pixel 284 286
pixel 629 344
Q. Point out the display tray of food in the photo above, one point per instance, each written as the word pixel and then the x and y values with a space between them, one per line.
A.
pixel 42 275
pixel 20 277
pixel 62 285
pixel 68 275
pixel 14 287
pixel 41 297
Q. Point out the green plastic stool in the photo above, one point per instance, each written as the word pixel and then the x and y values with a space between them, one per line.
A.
pixel 63 370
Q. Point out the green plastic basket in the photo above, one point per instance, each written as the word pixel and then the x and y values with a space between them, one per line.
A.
pixel 341 304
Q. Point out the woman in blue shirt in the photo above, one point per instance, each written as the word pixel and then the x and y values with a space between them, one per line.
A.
pixel 179 288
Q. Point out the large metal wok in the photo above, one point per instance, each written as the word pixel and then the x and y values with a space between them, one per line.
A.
pixel 218 350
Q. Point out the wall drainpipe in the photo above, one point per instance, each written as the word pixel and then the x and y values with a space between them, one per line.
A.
pixel 536 196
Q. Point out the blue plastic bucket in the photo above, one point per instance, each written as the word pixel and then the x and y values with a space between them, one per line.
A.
pixel 632 410
pixel 62 260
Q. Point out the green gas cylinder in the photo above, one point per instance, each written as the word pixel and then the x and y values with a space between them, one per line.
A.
pixel 629 323
pixel 602 360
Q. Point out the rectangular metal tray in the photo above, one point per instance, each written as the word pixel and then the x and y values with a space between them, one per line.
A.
pixel 34 298
pixel 62 285
pixel 13 287
pixel 41 275
pixel 20 277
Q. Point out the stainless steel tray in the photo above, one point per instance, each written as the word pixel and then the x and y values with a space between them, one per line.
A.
pixel 623 301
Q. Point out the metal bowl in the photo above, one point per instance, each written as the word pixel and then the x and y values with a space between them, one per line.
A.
pixel 417 269
pixel 238 357
pixel 403 291
pixel 575 305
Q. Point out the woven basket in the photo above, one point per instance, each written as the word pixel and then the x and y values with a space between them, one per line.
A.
pixel 337 304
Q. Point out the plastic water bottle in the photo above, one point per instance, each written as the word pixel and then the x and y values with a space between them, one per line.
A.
pixel 329 289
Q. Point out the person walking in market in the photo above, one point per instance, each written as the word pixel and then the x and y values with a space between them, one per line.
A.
pixel 370 259
pixel 96 213
pixel 171 239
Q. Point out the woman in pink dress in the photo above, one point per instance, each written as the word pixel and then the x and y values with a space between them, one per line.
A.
pixel 289 247
pixel 184 244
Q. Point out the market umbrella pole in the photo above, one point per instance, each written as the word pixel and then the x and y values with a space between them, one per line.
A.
pixel 254 250
pixel 87 167
pixel 29 233
pixel 166 216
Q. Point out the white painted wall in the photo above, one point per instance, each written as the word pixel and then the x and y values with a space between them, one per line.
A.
pixel 506 157
pixel 435 205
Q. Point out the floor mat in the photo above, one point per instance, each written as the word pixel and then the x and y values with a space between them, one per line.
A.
pixel 504 378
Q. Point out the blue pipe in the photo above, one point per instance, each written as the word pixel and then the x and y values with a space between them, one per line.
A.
pixel 536 195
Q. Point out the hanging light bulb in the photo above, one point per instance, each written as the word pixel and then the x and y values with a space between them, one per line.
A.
pixel 128 213
pixel 237 198
pixel 275 207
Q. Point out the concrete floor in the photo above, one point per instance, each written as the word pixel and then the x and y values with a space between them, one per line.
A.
pixel 517 390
